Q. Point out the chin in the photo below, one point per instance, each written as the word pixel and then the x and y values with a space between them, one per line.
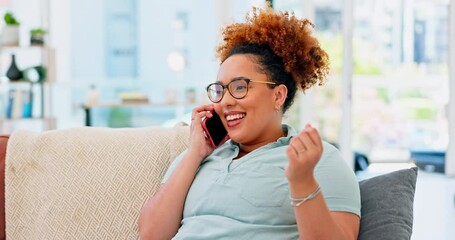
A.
pixel 235 137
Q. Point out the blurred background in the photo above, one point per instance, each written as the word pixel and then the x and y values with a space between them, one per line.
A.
pixel 136 63
pixel 133 63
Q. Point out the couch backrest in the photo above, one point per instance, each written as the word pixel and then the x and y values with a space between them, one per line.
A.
pixel 85 183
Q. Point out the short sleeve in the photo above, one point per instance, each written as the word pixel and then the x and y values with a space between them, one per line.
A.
pixel 172 167
pixel 338 182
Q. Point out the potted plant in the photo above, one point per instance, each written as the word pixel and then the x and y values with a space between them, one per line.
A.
pixel 37 36
pixel 10 32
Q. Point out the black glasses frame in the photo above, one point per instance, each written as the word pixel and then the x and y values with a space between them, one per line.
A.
pixel 247 80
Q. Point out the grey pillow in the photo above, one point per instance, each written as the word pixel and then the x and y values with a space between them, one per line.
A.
pixel 387 205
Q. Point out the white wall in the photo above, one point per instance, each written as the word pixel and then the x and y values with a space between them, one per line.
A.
pixel 156 41
pixel 61 40
pixel 87 39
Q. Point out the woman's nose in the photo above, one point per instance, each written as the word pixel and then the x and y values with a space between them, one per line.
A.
pixel 227 99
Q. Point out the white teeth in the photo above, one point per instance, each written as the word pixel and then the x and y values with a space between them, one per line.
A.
pixel 235 116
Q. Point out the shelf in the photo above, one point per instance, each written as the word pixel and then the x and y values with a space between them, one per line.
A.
pixel 23 48
pixel 133 104
pixel 23 97
pixel 17 83
pixel 26 119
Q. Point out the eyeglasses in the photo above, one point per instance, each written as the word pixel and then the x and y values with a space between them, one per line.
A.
pixel 238 88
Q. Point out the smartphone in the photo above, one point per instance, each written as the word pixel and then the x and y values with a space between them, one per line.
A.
pixel 214 130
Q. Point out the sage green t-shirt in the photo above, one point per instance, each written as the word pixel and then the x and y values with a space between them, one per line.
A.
pixel 248 198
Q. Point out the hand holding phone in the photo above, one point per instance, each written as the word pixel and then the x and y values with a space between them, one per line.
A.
pixel 214 130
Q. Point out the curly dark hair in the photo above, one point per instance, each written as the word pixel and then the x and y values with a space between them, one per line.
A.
pixel 283 45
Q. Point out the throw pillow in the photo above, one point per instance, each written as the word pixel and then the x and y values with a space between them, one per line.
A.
pixel 387 205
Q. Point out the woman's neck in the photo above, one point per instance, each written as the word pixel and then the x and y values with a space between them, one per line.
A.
pixel 244 149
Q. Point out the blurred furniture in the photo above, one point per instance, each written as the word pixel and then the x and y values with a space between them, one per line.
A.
pixel 429 160
pixel 361 161
pixel 91 183
pixel 28 99
pixel 88 107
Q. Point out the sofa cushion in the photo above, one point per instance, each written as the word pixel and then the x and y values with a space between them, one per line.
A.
pixel 84 183
pixel 387 205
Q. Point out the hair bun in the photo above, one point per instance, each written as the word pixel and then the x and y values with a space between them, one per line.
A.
pixel 289 38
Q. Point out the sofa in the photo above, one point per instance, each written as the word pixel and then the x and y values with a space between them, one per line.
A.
pixel 91 183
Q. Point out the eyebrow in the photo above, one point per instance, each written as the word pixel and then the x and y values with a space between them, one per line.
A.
pixel 233 79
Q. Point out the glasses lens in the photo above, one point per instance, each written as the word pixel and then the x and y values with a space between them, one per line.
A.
pixel 215 92
pixel 238 88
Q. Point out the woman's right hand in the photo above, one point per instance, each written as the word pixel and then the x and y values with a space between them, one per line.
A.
pixel 199 146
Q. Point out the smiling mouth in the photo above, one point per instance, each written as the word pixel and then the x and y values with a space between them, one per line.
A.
pixel 235 116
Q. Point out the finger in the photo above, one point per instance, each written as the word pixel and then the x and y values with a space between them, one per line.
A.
pixel 199 116
pixel 304 136
pixel 313 133
pixel 196 120
pixel 292 154
pixel 298 144
pixel 208 107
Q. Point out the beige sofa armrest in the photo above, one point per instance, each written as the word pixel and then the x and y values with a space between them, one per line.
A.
pixel 3 143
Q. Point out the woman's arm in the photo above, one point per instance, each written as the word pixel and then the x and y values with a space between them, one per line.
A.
pixel 314 220
pixel 161 216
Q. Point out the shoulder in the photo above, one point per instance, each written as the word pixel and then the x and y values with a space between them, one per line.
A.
pixel 338 181
pixel 329 148
pixel 172 166
pixel 333 166
pixel 330 153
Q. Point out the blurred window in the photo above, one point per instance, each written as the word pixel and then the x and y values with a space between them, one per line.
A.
pixel 400 82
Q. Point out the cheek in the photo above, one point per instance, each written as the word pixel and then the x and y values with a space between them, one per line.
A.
pixel 217 109
pixel 261 102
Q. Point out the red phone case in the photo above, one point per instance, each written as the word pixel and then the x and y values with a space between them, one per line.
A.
pixel 209 137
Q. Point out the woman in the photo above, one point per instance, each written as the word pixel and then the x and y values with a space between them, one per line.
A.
pixel 242 189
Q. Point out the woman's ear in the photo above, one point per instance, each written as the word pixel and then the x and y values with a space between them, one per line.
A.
pixel 281 92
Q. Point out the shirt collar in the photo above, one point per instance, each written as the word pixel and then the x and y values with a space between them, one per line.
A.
pixel 281 141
